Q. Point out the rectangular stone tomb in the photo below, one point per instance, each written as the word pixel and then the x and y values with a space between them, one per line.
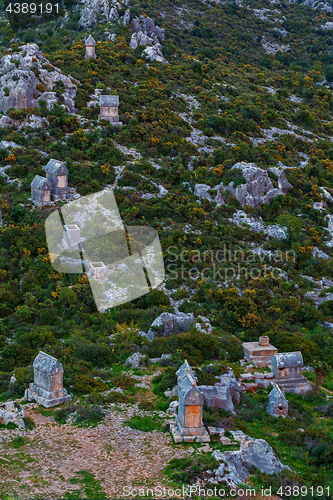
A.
pixel 47 388
pixel 71 237
pixel 287 369
pixel 109 109
pixel 98 270
pixel 259 353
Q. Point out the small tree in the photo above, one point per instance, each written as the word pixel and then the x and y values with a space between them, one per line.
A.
pixel 321 370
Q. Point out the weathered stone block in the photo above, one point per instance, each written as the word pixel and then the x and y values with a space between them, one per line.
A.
pixel 47 388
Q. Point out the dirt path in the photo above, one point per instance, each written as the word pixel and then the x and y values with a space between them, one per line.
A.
pixel 114 454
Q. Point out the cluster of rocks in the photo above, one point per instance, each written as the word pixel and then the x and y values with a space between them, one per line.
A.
pixel 26 77
pixel 145 32
pixel 12 412
pixel 253 381
pixel 148 34
pixel 107 11
pixel 241 218
pixel 273 48
pixel 257 188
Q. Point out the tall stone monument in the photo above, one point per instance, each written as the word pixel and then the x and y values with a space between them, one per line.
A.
pixel 189 426
pixel 57 174
pixel 109 109
pixel 40 191
pixel 47 388
pixel 90 48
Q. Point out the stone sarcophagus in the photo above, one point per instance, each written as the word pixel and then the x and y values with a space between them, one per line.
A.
pixel 47 388
pixel 57 174
pixel 109 109
pixel 287 369
pixel 189 425
pixel 90 48
pixel 259 353
pixel 40 191
pixel 277 403
pixel 71 237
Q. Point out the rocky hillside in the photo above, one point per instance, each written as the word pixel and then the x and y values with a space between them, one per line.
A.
pixel 225 149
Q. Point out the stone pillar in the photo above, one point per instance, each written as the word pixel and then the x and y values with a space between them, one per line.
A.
pixel 90 48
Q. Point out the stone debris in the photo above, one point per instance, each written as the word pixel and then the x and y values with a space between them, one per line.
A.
pixel 12 412
pixel 203 325
pixel 273 48
pixel 224 394
pixel 241 218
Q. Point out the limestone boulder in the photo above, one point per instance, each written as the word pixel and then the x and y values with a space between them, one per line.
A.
pixel 154 53
pixel 12 412
pixel 224 394
pixel 127 17
pixel 217 396
pixel 34 121
pixel 203 324
pixel 252 453
pixel 135 360
pixel 167 323
pixel 140 38
pixel 202 191
pixel 5 121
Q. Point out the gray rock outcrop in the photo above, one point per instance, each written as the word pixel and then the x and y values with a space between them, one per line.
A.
pixel 154 53
pixel 134 360
pixel 146 33
pixel 238 464
pixel 258 187
pixel 12 412
pixel 26 77
pixel 167 323
pixel 224 394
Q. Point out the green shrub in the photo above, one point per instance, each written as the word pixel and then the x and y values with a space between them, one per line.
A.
pixel 189 469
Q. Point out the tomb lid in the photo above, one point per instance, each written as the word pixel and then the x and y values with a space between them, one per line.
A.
pixel 47 364
pixel 56 167
pixel 287 359
pixel 41 183
pixel 184 370
pixel 109 100
pixel 90 42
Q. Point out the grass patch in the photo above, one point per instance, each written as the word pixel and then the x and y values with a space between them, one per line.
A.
pixel 145 424
pixel 90 486
pixel 18 442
